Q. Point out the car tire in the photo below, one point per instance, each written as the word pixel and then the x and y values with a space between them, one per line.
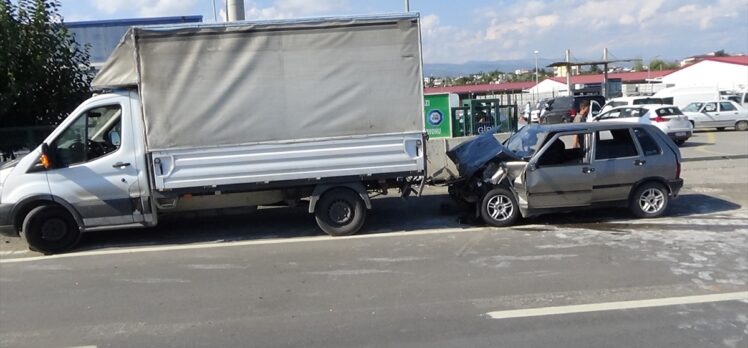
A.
pixel 499 208
pixel 50 229
pixel 340 212
pixel 650 200
pixel 720 128
pixel 680 142
pixel 741 126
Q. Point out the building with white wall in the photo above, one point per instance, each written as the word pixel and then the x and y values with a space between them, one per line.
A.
pixel 724 73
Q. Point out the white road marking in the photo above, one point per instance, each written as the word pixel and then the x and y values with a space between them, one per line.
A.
pixel 241 243
pixel 611 306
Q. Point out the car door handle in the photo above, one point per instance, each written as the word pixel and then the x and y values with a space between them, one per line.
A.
pixel 587 170
pixel 639 162
pixel 120 165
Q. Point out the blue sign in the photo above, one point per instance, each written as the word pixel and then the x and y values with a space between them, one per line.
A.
pixel 435 117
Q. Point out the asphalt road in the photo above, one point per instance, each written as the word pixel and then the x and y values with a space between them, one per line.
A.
pixel 419 278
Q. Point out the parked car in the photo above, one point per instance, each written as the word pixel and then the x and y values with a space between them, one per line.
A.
pixel 668 118
pixel 628 101
pixel 717 114
pixel 564 109
pixel 538 170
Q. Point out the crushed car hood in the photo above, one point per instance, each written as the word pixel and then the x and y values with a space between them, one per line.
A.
pixel 473 154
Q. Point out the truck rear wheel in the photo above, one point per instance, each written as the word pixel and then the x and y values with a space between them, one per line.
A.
pixel 340 212
pixel 50 229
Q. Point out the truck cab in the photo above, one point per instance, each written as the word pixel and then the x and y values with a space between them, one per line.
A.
pixel 89 173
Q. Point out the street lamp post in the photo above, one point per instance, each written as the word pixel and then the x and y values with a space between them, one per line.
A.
pixel 536 74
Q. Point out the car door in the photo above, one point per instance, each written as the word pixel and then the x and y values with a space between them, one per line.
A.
pixel 94 164
pixel 618 165
pixel 560 174
pixel 710 115
pixel 728 114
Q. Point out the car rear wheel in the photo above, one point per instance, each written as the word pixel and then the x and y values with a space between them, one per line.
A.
pixel 741 126
pixel 50 229
pixel 650 200
pixel 499 208
pixel 680 142
pixel 340 212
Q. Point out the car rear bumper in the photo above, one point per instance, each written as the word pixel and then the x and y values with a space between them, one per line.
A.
pixel 6 225
pixel 680 134
pixel 675 186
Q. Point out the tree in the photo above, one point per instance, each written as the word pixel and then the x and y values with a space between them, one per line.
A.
pixel 45 74
pixel 638 66
pixel 659 64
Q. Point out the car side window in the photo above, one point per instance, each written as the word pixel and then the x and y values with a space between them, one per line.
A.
pixel 614 143
pixel 94 134
pixel 725 106
pixel 648 144
pixel 568 149
pixel 710 107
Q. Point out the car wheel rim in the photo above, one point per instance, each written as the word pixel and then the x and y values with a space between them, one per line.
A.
pixel 500 207
pixel 652 200
pixel 340 212
pixel 54 230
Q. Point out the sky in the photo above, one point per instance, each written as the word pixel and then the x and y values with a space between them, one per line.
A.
pixel 490 30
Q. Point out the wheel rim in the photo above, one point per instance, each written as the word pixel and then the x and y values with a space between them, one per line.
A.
pixel 652 200
pixel 54 230
pixel 500 207
pixel 340 212
pixel 742 125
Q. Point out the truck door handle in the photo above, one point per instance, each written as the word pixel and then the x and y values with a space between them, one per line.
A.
pixel 120 165
pixel 587 170
pixel 639 162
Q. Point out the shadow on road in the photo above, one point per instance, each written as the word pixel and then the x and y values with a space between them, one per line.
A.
pixel 688 144
pixel 389 214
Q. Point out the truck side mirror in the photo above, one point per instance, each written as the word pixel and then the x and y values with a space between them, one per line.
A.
pixel 45 159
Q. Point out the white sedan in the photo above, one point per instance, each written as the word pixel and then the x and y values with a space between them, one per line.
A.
pixel 717 114
pixel 668 118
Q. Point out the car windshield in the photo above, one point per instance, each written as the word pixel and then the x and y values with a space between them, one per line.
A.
pixel 693 107
pixel 525 142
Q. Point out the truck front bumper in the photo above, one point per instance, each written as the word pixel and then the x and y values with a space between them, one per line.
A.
pixel 6 224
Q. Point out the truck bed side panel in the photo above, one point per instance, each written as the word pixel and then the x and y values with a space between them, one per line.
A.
pixel 261 163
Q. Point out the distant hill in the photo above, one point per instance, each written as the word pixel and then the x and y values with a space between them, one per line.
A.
pixel 441 69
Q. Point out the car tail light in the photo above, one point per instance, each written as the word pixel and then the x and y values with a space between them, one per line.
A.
pixel 658 119
pixel 572 112
pixel 677 170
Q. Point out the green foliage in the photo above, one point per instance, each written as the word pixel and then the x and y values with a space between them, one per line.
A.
pixel 44 74
pixel 659 64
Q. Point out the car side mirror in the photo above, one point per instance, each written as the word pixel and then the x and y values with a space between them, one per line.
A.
pixel 45 159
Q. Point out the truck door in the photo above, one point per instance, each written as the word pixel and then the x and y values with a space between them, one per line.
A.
pixel 561 174
pixel 94 167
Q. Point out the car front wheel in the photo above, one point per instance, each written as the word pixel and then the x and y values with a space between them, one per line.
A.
pixel 741 126
pixel 650 200
pixel 499 208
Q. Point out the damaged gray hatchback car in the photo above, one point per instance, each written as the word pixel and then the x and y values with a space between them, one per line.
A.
pixel 552 168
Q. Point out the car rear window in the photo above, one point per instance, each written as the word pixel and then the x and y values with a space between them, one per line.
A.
pixel 727 106
pixel 669 111
pixel 648 144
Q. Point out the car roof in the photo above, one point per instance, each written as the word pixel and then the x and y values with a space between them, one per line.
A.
pixel 644 106
pixel 591 126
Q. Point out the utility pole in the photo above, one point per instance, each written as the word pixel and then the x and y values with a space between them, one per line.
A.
pixel 235 10
pixel 605 73
pixel 568 72
pixel 536 75
pixel 407 5
pixel 215 14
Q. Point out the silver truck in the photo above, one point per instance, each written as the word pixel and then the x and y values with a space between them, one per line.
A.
pixel 214 116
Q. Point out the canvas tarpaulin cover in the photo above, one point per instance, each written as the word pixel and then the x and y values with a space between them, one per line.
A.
pixel 240 83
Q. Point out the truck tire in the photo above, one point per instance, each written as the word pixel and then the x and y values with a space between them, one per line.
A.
pixel 340 212
pixel 499 208
pixel 650 200
pixel 50 229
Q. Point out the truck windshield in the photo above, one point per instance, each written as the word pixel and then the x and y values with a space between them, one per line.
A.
pixel 525 142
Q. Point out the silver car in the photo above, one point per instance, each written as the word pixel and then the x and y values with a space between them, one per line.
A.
pixel 551 168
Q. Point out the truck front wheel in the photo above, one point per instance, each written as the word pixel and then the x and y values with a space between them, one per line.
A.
pixel 50 229
pixel 340 212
